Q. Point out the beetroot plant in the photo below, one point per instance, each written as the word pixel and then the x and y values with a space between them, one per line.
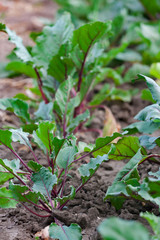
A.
pixel 66 65
pixel 43 189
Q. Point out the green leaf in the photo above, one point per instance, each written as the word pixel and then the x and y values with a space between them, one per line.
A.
pixel 146 95
pixel 45 111
pixel 102 142
pixel 151 7
pixel 125 148
pixel 17 106
pixel 4 175
pixel 8 167
pixel 87 170
pixel 151 112
pixel 64 232
pixel 61 65
pixel 63 97
pixel 23 68
pixel 66 156
pixel 34 166
pixel 155 70
pixel 147 127
pixel 45 134
pixel 132 72
pixel 6 199
pixel 154 222
pixel 22 193
pixel 147 141
pixel 118 229
pixel 71 196
pixel 58 143
pixel 43 181
pixel 51 39
pixel 129 56
pixel 128 171
pixel 77 120
pixel 6 138
pixel 20 50
pixel 84 38
pixel 153 87
pixel 19 136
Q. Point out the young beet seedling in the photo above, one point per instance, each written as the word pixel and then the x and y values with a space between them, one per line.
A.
pixel 44 187
pixel 128 182
pixel 67 64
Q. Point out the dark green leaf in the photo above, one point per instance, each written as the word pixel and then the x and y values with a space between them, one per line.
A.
pixel 45 134
pixel 91 32
pixel 17 106
pixel 20 67
pixel 6 138
pixel 22 193
pixel 6 198
pixel 34 166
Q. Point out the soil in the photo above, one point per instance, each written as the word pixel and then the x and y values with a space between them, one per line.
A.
pixel 88 208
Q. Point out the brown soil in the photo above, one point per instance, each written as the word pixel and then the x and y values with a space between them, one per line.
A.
pixel 88 207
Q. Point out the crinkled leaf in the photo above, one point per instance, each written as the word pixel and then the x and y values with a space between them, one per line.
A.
pixel 71 196
pixel 64 232
pixel 6 198
pixel 147 141
pixel 66 156
pixel 43 181
pixel 119 229
pixel 87 170
pixel 151 112
pixel 7 167
pixel 153 87
pixel 51 39
pixel 6 138
pixel 45 111
pixel 45 134
pixel 20 50
pixel 19 136
pixel 19 107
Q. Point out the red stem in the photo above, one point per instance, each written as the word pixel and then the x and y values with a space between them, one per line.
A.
pixel 40 84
